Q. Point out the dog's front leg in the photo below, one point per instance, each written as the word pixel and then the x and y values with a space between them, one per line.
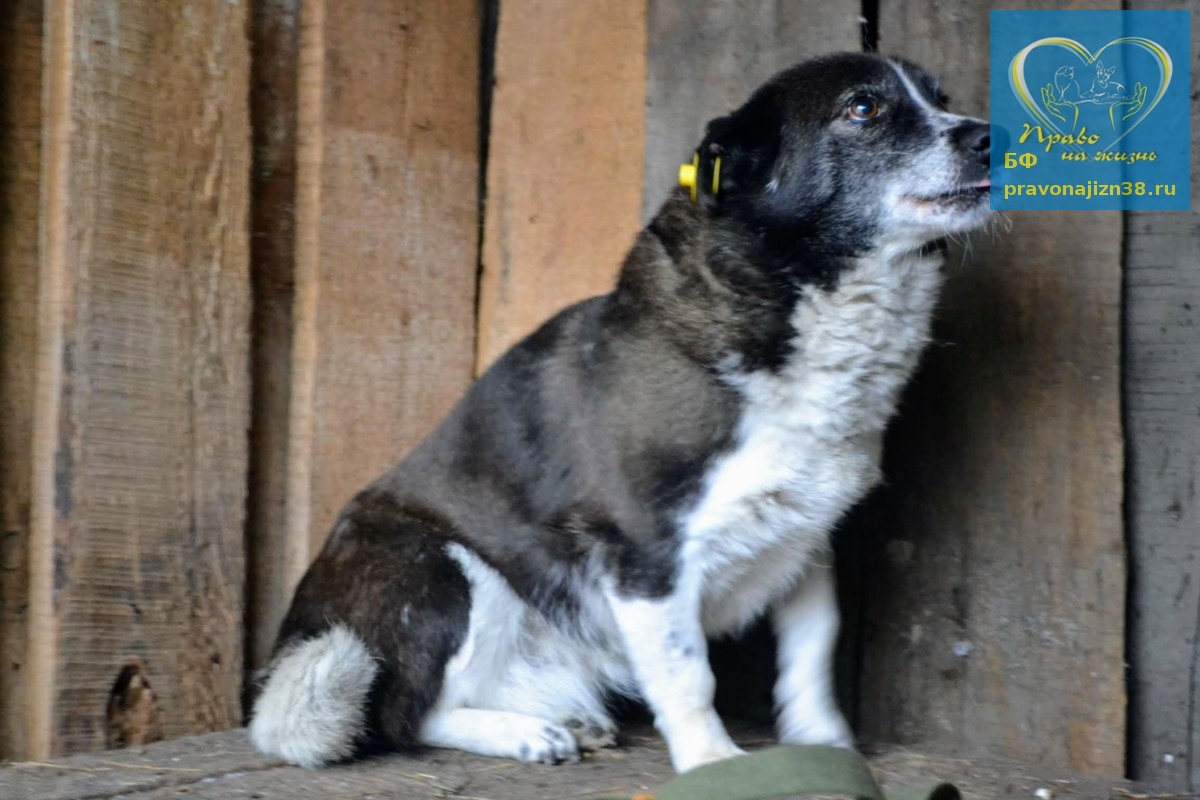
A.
pixel 806 626
pixel 666 648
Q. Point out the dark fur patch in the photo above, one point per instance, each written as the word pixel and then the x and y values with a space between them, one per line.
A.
pixel 384 572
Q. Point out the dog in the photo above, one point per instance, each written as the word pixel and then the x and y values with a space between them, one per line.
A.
pixel 1103 87
pixel 655 466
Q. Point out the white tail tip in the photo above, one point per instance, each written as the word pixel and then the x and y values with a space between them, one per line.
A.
pixel 311 710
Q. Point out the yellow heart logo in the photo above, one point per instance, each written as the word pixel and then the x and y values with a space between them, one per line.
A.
pixel 1063 97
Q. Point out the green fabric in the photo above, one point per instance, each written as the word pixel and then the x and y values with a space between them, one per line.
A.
pixel 788 771
pixel 775 773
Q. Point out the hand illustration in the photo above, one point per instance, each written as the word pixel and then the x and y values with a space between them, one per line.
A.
pixel 1128 107
pixel 1059 108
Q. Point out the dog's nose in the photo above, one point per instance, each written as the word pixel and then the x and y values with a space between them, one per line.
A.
pixel 975 138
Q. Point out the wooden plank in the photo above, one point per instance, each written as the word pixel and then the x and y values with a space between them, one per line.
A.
pixel 275 67
pixel 565 160
pixel 224 765
pixel 1162 406
pixel 139 446
pixel 20 164
pixel 995 616
pixel 705 58
pixel 386 243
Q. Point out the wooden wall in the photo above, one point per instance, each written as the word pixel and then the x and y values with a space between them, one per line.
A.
pixel 565 160
pixel 981 583
pixel 250 252
pixel 366 219
pixel 20 164
pixel 996 555
pixel 1162 425
pixel 703 60
pixel 125 251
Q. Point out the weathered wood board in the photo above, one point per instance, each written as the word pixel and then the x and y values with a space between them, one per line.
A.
pixel 705 58
pixel 223 766
pixel 1162 427
pixel 141 398
pixel 564 165
pixel 995 602
pixel 385 253
pixel 275 45
pixel 992 579
pixel 20 166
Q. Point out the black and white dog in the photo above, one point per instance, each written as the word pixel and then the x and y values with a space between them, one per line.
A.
pixel 654 466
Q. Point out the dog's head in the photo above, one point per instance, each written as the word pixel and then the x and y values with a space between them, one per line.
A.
pixel 846 154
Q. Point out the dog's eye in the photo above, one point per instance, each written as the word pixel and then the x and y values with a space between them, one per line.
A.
pixel 863 107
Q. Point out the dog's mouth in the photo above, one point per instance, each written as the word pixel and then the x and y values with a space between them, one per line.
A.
pixel 967 193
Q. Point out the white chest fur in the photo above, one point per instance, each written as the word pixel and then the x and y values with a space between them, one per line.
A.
pixel 809 441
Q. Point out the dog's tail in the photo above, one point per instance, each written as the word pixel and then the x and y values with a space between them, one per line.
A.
pixel 312 708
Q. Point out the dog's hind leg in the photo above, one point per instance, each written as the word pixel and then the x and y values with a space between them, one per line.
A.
pixel 507 734
pixel 516 663
pixel 363 650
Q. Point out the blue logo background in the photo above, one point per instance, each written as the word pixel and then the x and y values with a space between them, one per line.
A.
pixel 1091 109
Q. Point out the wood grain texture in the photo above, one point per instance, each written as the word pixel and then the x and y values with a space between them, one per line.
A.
pixel 564 166
pixel 20 164
pixel 705 58
pixel 386 245
pixel 1162 426
pixel 275 65
pixel 995 610
pixel 139 444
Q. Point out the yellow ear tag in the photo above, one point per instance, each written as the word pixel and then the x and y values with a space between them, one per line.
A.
pixel 716 175
pixel 689 175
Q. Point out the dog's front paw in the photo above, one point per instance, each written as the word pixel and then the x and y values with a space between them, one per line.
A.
pixel 714 752
pixel 698 738
pixel 546 743
pixel 592 734
pixel 702 744
pixel 829 728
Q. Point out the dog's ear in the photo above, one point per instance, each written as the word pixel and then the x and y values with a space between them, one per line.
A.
pixel 747 144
